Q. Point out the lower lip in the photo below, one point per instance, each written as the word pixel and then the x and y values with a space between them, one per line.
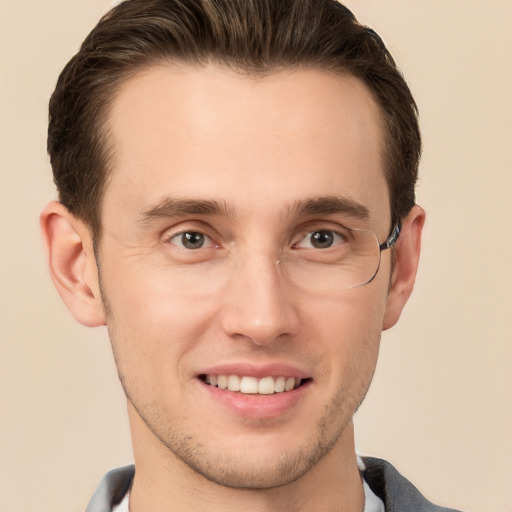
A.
pixel 258 406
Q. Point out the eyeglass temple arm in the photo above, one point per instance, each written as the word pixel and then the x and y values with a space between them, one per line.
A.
pixel 392 238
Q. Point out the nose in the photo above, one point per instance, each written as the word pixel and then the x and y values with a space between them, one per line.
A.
pixel 257 305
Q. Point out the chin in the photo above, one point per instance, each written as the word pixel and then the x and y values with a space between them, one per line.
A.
pixel 241 473
pixel 254 461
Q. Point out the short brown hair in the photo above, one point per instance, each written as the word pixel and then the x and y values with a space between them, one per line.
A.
pixel 255 36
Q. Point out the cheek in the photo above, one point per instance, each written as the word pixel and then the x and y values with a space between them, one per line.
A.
pixel 146 300
pixel 153 326
pixel 348 328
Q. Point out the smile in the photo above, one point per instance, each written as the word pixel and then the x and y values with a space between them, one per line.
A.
pixel 252 385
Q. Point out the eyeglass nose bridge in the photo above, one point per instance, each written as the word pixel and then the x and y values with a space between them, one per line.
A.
pixel 292 267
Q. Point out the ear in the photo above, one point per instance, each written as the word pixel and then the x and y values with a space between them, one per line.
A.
pixel 72 263
pixel 407 255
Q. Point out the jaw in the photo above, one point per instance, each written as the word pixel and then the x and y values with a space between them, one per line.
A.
pixel 231 484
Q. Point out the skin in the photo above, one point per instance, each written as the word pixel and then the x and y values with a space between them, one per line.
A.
pixel 257 145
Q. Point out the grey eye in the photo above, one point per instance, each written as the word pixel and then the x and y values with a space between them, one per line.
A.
pixel 191 240
pixel 321 239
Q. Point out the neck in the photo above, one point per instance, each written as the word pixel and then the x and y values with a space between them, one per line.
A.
pixel 163 482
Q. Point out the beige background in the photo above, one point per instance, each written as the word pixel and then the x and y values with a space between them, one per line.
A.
pixel 440 407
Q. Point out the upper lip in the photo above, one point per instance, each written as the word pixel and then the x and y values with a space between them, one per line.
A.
pixel 276 369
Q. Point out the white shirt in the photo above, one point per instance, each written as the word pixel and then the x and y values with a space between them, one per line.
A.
pixel 372 503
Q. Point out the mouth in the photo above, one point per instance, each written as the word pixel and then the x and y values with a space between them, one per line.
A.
pixel 249 385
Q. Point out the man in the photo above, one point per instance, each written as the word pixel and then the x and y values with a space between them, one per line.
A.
pixel 236 204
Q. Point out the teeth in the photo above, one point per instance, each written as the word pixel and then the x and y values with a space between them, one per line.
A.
pixel 234 383
pixel 222 381
pixel 249 385
pixel 289 384
pixel 252 385
pixel 279 384
pixel 266 386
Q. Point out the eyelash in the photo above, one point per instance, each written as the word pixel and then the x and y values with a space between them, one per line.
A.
pixel 337 238
pixel 190 233
pixel 193 234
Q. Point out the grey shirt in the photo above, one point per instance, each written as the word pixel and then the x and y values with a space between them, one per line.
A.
pixel 397 493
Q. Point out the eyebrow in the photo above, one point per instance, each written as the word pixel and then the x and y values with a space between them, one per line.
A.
pixel 330 205
pixel 324 205
pixel 174 207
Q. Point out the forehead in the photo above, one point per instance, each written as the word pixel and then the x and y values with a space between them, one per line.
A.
pixel 255 142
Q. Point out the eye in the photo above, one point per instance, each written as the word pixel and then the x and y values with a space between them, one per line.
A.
pixel 191 240
pixel 321 239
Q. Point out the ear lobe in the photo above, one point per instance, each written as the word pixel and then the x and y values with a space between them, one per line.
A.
pixel 72 263
pixel 407 254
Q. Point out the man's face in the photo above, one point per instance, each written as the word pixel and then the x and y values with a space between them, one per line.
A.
pixel 210 169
